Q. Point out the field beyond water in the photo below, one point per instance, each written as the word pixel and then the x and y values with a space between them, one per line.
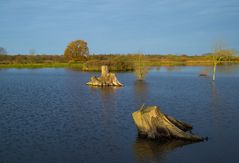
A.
pixel 115 62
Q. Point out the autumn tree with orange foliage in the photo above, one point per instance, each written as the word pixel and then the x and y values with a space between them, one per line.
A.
pixel 76 51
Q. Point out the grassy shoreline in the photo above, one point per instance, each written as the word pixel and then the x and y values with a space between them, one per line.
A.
pixel 116 62
pixel 96 67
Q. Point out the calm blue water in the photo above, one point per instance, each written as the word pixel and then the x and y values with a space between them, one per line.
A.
pixel 50 115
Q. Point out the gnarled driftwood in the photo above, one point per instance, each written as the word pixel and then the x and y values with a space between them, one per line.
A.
pixel 152 123
pixel 106 79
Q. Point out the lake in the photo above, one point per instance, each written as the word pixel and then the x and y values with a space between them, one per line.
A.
pixel 50 115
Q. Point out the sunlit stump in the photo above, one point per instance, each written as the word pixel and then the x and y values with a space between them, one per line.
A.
pixel 106 79
pixel 152 123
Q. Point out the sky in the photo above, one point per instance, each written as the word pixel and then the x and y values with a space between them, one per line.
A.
pixel 119 26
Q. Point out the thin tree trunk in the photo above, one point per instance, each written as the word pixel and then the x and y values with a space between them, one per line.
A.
pixel 214 71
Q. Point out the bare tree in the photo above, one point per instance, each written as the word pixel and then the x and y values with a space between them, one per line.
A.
pixel 140 69
pixel 220 54
pixel 32 51
pixel 3 51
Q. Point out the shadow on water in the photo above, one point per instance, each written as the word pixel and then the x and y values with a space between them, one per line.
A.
pixel 141 92
pixel 154 151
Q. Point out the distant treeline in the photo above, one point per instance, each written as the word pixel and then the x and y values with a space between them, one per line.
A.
pixel 25 59
pixel 116 62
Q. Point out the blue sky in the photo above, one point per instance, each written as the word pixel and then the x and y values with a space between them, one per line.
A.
pixel 119 26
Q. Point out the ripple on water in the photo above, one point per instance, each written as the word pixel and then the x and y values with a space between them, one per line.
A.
pixel 50 115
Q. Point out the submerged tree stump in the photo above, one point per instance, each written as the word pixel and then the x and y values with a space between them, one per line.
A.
pixel 153 124
pixel 106 79
pixel 203 73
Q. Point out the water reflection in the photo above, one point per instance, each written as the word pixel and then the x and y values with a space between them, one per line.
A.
pixel 173 68
pixel 215 96
pixel 141 91
pixel 224 69
pixel 154 151
pixel 215 105
pixel 77 69
pixel 228 68
pixel 105 92
pixel 107 99
pixel 158 68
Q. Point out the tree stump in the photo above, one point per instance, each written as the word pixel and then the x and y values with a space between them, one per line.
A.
pixel 153 124
pixel 203 73
pixel 104 70
pixel 106 79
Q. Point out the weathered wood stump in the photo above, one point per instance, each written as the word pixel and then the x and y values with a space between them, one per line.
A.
pixel 203 73
pixel 153 124
pixel 106 79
